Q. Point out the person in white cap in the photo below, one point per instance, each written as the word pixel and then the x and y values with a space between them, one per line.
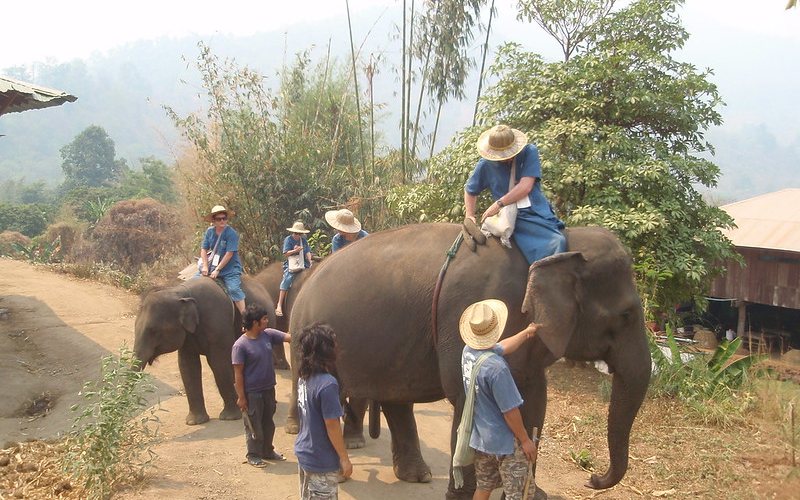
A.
pixel 348 228
pixel 497 435
pixel 219 254
pixel 294 244
pixel 537 231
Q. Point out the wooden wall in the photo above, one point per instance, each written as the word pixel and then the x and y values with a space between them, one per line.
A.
pixel 770 277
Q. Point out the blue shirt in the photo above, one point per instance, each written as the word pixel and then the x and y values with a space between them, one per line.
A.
pixel 256 356
pixel 340 242
pixel 494 176
pixel 317 400
pixel 229 242
pixel 496 394
pixel 288 244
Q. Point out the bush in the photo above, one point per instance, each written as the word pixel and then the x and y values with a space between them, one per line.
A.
pixel 134 233
pixel 8 239
pixel 110 444
pixel 68 234
pixel 29 219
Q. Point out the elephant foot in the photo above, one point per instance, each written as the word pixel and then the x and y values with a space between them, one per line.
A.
pixel 459 495
pixel 197 418
pixel 281 364
pixel 354 442
pixel 540 494
pixel 230 414
pixel 417 472
pixel 292 426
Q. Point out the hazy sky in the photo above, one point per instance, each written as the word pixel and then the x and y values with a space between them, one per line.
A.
pixel 753 45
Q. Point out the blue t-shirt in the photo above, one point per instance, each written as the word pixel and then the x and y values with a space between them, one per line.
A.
pixel 340 242
pixel 288 244
pixel 256 356
pixel 494 176
pixel 317 400
pixel 229 242
pixel 496 394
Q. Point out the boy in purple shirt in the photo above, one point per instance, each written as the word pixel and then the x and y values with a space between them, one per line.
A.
pixel 320 450
pixel 254 379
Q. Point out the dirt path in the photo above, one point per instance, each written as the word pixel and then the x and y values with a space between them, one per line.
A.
pixel 53 335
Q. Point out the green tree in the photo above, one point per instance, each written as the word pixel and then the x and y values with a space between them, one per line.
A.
pixel 153 181
pixel 620 126
pixel 275 157
pixel 90 159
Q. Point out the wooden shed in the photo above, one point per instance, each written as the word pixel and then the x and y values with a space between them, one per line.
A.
pixel 768 238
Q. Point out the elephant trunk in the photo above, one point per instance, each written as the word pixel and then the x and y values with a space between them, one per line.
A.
pixel 628 389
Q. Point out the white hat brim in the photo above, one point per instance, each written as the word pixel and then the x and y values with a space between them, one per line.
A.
pixel 488 340
pixel 489 153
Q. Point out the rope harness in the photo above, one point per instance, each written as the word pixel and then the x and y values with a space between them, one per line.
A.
pixel 449 255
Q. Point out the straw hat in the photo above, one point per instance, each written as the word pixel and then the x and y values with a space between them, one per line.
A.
pixel 298 227
pixel 501 142
pixel 343 220
pixel 218 209
pixel 482 323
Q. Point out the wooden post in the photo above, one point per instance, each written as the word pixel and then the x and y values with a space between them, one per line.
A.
pixel 742 305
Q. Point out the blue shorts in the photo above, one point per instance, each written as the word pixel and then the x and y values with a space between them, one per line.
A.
pixel 233 284
pixel 288 279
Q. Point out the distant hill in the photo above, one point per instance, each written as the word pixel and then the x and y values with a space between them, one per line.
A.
pixel 124 92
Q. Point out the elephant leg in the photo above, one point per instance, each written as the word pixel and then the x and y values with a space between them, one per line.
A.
pixel 191 375
pixel 279 357
pixel 221 367
pixel 406 455
pixel 354 410
pixel 535 406
pixel 292 418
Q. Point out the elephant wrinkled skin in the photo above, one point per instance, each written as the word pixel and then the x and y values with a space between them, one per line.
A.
pixel 378 295
pixel 198 318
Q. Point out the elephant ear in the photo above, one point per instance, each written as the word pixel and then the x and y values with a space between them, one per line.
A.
pixel 553 300
pixel 188 316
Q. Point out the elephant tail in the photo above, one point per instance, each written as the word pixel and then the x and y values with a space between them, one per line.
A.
pixel 374 419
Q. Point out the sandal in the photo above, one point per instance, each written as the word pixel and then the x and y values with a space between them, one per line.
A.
pixel 256 462
pixel 278 312
pixel 275 456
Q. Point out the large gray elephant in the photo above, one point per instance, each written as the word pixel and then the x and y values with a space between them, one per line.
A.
pixel 355 408
pixel 378 299
pixel 198 318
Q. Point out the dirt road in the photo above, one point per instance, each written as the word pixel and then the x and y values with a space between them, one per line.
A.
pixel 56 329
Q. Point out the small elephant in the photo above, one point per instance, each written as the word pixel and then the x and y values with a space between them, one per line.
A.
pixel 378 299
pixel 198 318
pixel 270 278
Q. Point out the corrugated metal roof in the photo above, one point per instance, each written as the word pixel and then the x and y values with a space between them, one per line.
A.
pixel 16 96
pixel 771 221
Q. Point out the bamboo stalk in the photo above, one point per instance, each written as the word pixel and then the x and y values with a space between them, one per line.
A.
pixel 355 82
pixel 483 64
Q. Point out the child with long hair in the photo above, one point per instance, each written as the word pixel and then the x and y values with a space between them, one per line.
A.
pixel 320 450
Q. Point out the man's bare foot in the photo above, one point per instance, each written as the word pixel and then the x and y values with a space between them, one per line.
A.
pixel 278 312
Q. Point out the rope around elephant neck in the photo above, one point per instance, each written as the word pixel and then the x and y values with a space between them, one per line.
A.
pixel 450 254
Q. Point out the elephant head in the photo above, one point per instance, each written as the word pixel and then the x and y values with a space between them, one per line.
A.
pixel 162 324
pixel 589 310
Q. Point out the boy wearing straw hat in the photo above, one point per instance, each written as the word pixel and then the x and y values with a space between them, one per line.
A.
pixel 502 448
pixel 348 228
pixel 537 230
pixel 295 243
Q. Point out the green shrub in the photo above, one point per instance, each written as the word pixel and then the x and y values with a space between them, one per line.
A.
pixel 716 390
pixel 111 439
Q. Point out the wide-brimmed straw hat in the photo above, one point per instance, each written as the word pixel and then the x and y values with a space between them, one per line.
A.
pixel 501 142
pixel 218 209
pixel 343 220
pixel 482 323
pixel 298 227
